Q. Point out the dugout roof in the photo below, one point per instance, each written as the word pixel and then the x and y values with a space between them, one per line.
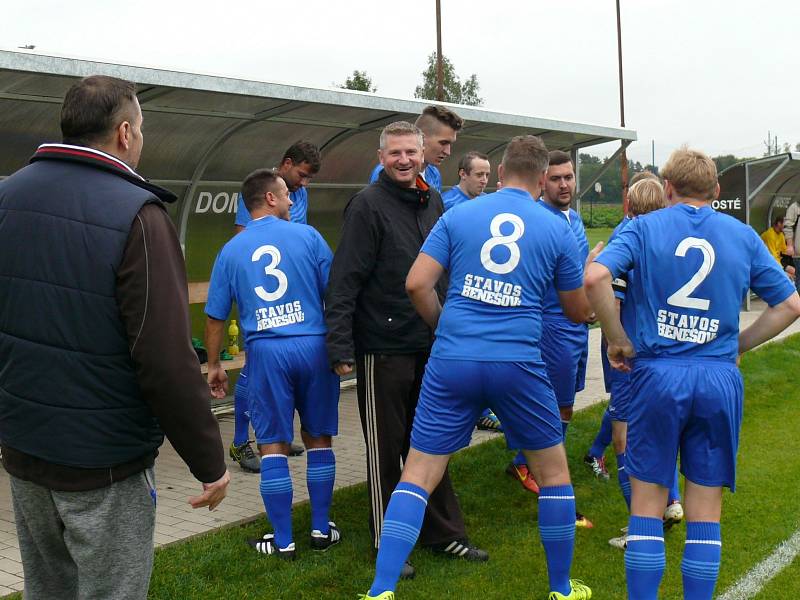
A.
pixel 204 133
pixel 764 187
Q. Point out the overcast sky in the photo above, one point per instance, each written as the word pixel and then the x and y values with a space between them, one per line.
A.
pixel 715 74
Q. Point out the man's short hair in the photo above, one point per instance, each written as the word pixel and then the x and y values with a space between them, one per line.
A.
pixel 438 115
pixel 93 107
pixel 401 128
pixel 637 177
pixel 777 220
pixel 525 156
pixel 558 157
pixel 466 160
pixel 304 151
pixel 255 185
pixel 646 195
pixel 692 173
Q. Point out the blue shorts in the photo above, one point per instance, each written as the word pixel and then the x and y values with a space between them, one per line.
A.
pixel 455 392
pixel 694 406
pixel 565 349
pixel 619 405
pixel 288 374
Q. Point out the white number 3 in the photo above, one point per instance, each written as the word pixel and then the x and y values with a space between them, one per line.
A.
pixel 270 270
pixel 498 239
pixel 683 297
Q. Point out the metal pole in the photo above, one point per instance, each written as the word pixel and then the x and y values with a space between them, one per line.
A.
pixel 439 65
pixel 623 158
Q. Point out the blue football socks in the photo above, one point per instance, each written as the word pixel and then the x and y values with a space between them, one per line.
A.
pixel 624 480
pixel 241 415
pixel 557 530
pixel 320 475
pixel 401 526
pixel 603 437
pixel 701 558
pixel 645 558
pixel 276 491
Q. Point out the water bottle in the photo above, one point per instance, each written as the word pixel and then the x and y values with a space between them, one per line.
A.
pixel 233 338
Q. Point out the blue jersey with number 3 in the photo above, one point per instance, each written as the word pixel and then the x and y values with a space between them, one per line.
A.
pixel 693 267
pixel 502 250
pixel 276 272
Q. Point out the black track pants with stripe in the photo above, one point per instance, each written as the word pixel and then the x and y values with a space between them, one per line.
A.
pixel 388 390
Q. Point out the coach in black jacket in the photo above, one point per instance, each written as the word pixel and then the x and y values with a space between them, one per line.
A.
pixel 372 324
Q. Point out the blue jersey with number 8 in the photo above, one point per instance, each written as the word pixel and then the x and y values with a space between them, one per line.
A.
pixel 276 272
pixel 692 269
pixel 502 250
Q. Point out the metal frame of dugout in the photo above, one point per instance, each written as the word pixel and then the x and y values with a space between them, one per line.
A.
pixel 205 133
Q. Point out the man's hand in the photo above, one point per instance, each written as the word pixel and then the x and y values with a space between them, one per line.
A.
pixel 213 493
pixel 217 381
pixel 619 354
pixel 790 249
pixel 342 369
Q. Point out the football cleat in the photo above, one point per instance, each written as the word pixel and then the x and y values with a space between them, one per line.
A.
pixel 387 595
pixel 266 545
pixel 322 541
pixel 246 458
pixel 521 474
pixel 578 591
pixel 620 542
pixel 598 466
pixel 489 422
pixel 296 449
pixel 673 515
pixel 582 521
pixel 407 572
pixel 461 549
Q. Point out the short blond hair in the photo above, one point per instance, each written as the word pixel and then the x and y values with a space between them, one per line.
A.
pixel 646 195
pixel 525 156
pixel 691 173
pixel 401 128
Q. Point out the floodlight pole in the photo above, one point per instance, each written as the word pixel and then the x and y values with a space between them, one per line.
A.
pixel 439 65
pixel 623 157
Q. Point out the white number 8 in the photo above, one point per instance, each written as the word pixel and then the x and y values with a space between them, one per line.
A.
pixel 270 270
pixel 682 296
pixel 509 241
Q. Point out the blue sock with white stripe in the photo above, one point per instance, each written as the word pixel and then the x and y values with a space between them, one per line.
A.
pixel 701 558
pixel 241 414
pixel 557 530
pixel 603 438
pixel 320 474
pixel 674 490
pixel 276 491
pixel 401 526
pixel 624 480
pixel 645 558
pixel 519 459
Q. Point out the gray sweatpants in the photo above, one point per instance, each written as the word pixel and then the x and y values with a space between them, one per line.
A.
pixel 95 545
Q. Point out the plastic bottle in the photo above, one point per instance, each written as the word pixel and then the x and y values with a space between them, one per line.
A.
pixel 233 338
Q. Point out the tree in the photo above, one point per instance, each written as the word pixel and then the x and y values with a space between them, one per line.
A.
pixel 454 91
pixel 358 81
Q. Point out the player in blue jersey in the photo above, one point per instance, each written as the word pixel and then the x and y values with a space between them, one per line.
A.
pixel 473 176
pixel 565 344
pixel 299 164
pixel 276 272
pixel 502 252
pixel 440 126
pixel 692 268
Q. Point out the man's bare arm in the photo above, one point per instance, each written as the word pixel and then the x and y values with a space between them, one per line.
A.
pixel 421 288
pixel 601 296
pixel 770 323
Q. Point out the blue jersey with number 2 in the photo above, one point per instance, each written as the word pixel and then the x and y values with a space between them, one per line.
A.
pixel 692 268
pixel 502 250
pixel 276 272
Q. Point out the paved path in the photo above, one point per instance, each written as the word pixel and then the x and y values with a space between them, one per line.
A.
pixel 175 518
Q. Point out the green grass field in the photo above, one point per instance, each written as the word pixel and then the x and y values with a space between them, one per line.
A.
pixel 501 519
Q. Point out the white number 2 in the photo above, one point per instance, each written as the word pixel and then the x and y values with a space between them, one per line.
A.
pixel 498 239
pixel 682 297
pixel 271 271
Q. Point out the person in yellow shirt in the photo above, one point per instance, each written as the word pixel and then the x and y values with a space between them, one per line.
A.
pixel 776 244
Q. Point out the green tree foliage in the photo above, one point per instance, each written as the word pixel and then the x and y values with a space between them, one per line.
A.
pixel 360 81
pixel 454 90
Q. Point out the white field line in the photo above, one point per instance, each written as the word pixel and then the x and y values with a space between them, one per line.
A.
pixel 757 577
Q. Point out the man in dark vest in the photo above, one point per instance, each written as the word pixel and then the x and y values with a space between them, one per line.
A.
pixel 97 363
